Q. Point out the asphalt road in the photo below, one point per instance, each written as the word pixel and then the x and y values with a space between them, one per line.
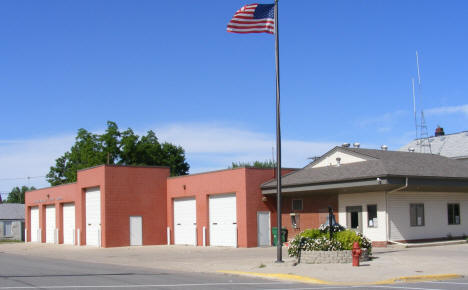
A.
pixel 21 272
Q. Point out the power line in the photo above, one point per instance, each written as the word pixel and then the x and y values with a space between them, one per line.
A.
pixel 21 178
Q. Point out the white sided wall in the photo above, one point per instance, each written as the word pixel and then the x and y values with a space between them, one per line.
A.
pixel 331 160
pixel 375 234
pixel 435 215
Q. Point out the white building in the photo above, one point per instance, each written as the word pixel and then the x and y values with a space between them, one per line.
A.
pixel 386 195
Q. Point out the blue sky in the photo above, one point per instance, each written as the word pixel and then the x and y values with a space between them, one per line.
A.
pixel 170 66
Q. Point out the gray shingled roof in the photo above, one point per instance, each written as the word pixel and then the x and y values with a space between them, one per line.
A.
pixel 450 145
pixel 379 164
pixel 11 211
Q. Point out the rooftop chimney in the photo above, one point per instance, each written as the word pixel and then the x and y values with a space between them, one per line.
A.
pixel 345 145
pixel 439 131
pixel 356 145
pixel 384 147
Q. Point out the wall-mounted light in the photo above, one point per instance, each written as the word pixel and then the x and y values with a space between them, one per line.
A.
pixel 295 220
pixel 264 198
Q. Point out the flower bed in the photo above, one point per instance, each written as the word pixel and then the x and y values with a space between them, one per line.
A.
pixel 315 245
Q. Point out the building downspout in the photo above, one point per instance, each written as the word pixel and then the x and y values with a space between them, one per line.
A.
pixel 387 211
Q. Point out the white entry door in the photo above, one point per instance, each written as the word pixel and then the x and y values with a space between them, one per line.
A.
pixel 35 235
pixel 223 220
pixel 93 217
pixel 185 222
pixel 136 231
pixel 69 224
pixel 50 224
pixel 263 229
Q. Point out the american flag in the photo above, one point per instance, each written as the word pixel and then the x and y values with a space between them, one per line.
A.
pixel 253 18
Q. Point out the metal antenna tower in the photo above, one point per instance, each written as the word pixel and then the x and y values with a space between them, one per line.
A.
pixel 424 141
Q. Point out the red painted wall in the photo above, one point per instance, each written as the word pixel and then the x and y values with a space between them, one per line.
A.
pixel 244 182
pixel 125 191
pixel 313 214
pixel 48 196
pixel 135 191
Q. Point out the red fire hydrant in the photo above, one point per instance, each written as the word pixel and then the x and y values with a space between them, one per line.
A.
pixel 356 252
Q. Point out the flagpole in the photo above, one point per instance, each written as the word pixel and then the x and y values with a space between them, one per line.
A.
pixel 279 244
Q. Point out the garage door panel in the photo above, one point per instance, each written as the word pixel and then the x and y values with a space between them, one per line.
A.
pixel 50 224
pixel 223 220
pixel 69 224
pixel 93 217
pixel 185 222
pixel 34 224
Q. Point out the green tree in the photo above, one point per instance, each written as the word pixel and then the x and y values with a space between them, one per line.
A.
pixel 116 147
pixel 255 164
pixel 16 195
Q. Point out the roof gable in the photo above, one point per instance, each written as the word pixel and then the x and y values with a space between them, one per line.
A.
pixel 339 155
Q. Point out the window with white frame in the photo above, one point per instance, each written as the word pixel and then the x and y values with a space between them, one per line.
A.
pixel 417 214
pixel 296 204
pixel 453 210
pixel 7 229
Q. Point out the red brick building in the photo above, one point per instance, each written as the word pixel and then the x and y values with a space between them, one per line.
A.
pixel 111 206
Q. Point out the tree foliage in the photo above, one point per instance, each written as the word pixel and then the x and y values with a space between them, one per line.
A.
pixel 255 164
pixel 116 147
pixel 16 195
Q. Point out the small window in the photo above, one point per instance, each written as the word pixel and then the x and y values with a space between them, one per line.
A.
pixel 296 204
pixel 372 215
pixel 7 229
pixel 453 210
pixel 417 214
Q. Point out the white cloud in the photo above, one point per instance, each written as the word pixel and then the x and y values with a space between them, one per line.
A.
pixel 208 147
pixel 214 147
pixel 462 109
pixel 30 157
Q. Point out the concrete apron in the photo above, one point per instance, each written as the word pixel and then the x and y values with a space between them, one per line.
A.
pixel 389 265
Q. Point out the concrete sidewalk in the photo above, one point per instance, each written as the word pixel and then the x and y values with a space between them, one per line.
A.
pixel 389 264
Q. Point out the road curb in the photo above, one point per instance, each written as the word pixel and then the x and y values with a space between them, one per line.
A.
pixel 310 280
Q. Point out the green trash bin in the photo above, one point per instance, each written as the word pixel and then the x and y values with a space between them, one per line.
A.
pixel 284 235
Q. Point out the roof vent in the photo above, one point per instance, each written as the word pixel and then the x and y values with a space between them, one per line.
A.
pixel 338 161
pixel 345 145
pixel 411 149
pixel 384 147
pixel 356 145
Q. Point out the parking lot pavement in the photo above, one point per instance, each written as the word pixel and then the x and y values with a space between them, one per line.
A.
pixel 390 264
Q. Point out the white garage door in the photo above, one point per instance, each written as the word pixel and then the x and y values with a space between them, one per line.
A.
pixel 50 224
pixel 69 223
pixel 136 231
pixel 223 220
pixel 185 222
pixel 35 224
pixel 93 217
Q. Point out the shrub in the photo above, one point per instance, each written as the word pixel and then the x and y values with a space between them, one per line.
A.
pixel 311 233
pixel 347 238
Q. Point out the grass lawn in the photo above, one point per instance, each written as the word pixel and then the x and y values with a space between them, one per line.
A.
pixel 10 241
